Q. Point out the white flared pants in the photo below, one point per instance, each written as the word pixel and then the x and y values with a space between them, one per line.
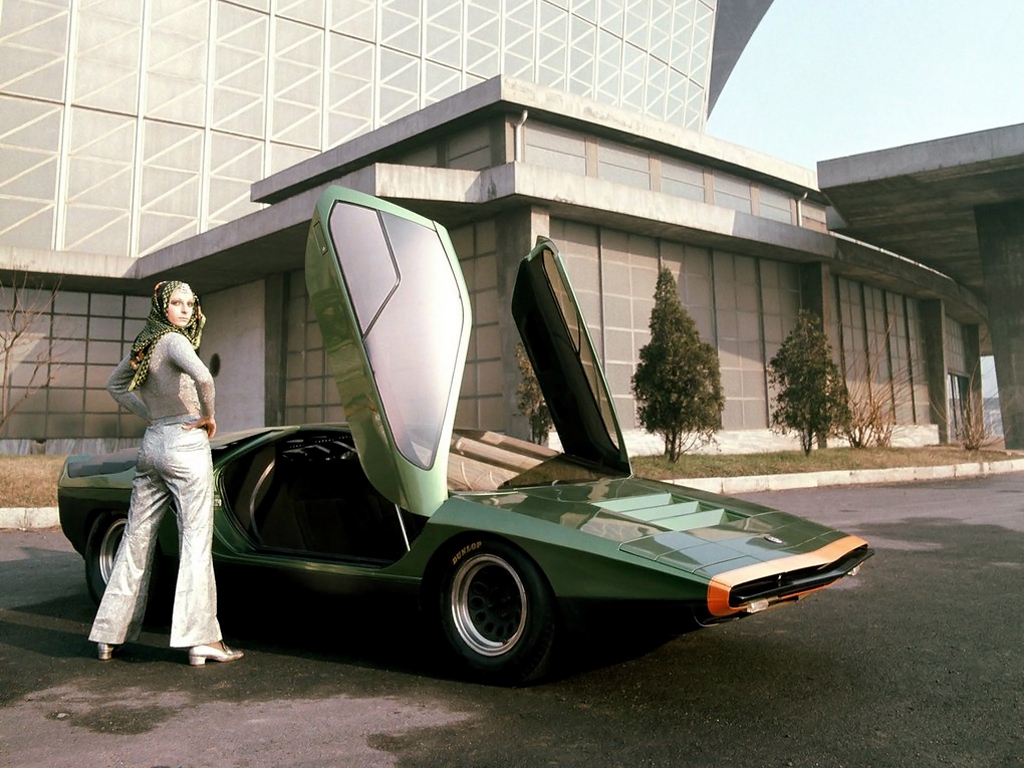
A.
pixel 174 470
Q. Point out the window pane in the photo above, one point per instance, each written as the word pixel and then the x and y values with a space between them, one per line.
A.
pixel 365 259
pixel 420 285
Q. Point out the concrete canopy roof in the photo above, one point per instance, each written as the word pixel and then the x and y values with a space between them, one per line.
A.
pixel 918 200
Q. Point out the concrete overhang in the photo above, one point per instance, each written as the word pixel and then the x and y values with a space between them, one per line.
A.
pixel 69 270
pixel 272 240
pixel 504 95
pixel 265 242
pixel 918 200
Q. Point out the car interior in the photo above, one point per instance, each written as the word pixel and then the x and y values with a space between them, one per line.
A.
pixel 307 493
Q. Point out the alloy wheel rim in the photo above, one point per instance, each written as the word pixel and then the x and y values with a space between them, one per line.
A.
pixel 109 546
pixel 489 605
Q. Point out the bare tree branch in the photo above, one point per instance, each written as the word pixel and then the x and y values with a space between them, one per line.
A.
pixel 877 395
pixel 969 428
pixel 27 346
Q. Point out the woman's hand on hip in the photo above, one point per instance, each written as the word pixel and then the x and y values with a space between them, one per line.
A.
pixel 205 422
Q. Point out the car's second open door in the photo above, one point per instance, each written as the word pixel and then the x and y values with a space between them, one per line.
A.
pixel 565 362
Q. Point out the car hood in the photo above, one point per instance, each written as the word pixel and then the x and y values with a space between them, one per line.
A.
pixel 687 529
pixel 393 309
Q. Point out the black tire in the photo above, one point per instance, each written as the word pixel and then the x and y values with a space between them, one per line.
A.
pixel 100 550
pixel 497 613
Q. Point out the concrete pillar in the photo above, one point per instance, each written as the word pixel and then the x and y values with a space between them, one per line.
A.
pixel 933 328
pixel 1001 243
pixel 517 231
pixel 275 349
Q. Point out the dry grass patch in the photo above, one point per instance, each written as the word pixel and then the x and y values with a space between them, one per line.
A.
pixel 785 462
pixel 29 481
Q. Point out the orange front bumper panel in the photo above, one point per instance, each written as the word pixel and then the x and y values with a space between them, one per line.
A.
pixel 755 587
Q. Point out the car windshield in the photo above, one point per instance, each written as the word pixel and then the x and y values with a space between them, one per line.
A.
pixel 488 461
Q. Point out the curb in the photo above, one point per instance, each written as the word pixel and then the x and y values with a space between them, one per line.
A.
pixel 30 518
pixel 759 483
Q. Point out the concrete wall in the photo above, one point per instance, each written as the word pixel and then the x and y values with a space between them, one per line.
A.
pixel 235 334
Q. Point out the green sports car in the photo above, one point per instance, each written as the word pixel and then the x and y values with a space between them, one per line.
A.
pixel 505 545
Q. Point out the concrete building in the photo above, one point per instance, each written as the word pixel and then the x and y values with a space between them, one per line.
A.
pixel 141 141
pixel 957 205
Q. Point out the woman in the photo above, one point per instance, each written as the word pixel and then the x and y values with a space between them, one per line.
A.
pixel 163 381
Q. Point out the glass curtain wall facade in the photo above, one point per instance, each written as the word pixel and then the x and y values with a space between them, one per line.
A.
pixel 482 400
pixel 569 151
pixel 127 126
pixel 721 291
pixel 310 395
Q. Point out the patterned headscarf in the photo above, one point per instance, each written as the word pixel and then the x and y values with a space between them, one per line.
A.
pixel 157 325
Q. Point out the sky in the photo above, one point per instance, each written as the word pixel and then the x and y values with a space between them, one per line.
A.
pixel 822 79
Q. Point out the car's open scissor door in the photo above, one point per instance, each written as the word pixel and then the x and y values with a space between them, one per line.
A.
pixel 556 340
pixel 394 312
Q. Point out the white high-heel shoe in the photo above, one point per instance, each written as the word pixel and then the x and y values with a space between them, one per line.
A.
pixel 104 651
pixel 198 655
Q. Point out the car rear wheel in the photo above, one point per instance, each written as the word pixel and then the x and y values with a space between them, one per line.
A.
pixel 100 551
pixel 497 613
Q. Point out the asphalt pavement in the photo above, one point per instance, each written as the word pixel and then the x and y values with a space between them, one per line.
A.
pixel 915 662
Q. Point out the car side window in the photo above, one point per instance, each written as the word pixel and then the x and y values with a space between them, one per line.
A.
pixel 410 315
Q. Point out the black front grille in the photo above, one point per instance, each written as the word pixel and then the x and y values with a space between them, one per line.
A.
pixel 783 585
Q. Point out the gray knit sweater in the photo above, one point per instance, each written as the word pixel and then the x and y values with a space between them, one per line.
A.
pixel 178 383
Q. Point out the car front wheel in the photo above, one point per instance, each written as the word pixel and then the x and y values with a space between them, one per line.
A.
pixel 497 613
